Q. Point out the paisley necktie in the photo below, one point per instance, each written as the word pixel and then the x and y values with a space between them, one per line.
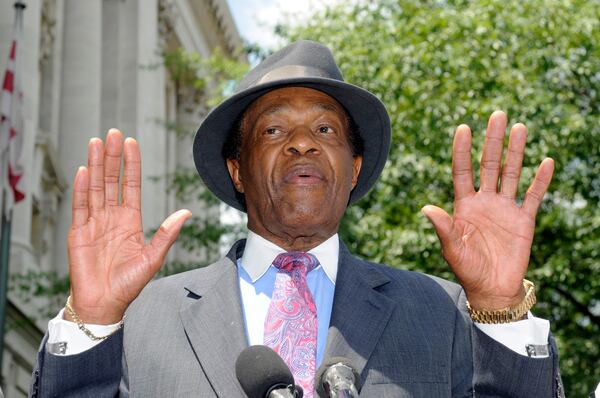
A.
pixel 291 323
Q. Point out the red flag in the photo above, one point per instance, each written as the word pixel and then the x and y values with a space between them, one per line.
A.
pixel 11 125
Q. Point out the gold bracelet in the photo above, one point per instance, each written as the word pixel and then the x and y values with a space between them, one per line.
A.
pixel 81 325
pixel 508 314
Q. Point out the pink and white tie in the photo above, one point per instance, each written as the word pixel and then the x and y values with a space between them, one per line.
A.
pixel 291 323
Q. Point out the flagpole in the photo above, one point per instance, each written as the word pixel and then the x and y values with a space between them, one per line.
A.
pixel 5 256
pixel 6 228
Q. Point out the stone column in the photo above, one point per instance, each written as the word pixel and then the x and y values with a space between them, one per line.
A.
pixel 80 105
pixel 129 68
pixel 151 115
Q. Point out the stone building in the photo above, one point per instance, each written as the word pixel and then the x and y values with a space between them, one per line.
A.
pixel 85 67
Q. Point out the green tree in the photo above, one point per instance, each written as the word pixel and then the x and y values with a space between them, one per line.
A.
pixel 436 64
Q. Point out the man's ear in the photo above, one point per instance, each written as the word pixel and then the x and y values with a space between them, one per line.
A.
pixel 356 165
pixel 233 165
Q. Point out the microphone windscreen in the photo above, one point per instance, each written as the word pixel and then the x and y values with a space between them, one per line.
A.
pixel 259 369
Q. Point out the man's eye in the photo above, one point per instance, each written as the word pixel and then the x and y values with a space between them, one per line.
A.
pixel 325 129
pixel 271 130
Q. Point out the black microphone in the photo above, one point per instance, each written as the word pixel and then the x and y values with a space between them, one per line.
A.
pixel 337 378
pixel 263 374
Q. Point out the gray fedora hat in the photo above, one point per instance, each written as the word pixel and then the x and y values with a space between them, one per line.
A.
pixel 306 64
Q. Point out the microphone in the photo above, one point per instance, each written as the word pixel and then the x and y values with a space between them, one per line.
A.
pixel 263 374
pixel 337 378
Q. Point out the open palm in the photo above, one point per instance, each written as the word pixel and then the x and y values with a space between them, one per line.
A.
pixel 109 261
pixel 487 242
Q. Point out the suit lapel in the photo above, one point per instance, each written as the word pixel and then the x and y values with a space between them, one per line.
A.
pixel 213 322
pixel 213 318
pixel 359 313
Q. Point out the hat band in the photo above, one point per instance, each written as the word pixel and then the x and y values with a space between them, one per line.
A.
pixel 292 71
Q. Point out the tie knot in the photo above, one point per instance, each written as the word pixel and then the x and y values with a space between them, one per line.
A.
pixel 296 260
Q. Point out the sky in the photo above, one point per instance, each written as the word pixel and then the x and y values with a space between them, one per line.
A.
pixel 256 19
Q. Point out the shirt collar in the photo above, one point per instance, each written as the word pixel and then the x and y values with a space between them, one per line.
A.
pixel 259 254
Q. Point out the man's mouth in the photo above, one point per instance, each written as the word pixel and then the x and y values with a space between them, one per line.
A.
pixel 304 175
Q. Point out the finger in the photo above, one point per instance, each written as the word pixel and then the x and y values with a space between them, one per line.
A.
pixel 164 238
pixel 538 187
pixel 462 171
pixel 112 166
pixel 492 152
pixel 96 173
pixel 442 222
pixel 79 205
pixel 450 238
pixel 132 175
pixel 511 171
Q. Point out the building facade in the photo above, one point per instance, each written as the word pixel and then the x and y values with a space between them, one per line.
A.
pixel 87 66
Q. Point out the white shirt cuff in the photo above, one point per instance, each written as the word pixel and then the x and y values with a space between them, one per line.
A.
pixel 70 338
pixel 517 335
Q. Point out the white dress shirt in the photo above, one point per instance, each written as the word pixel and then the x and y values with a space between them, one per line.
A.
pixel 257 280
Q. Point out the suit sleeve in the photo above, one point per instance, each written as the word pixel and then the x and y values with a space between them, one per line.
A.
pixel 462 363
pixel 96 372
pixel 500 371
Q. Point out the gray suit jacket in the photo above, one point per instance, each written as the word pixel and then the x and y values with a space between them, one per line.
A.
pixel 407 333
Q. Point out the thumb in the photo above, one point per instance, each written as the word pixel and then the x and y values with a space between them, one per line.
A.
pixel 443 224
pixel 164 238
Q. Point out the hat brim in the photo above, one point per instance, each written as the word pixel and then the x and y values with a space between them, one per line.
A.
pixel 367 111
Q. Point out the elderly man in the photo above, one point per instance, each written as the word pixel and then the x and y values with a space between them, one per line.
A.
pixel 293 147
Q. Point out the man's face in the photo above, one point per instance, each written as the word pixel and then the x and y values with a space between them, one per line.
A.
pixel 296 167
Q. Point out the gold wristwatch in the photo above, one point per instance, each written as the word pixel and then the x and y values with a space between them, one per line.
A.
pixel 508 314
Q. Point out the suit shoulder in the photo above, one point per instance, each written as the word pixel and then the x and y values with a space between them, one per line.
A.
pixel 199 277
pixel 175 287
pixel 420 283
pixel 209 272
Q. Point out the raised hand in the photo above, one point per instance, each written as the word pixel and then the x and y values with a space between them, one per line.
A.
pixel 488 240
pixel 109 262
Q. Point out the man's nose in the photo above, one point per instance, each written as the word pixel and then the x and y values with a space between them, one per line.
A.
pixel 302 142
